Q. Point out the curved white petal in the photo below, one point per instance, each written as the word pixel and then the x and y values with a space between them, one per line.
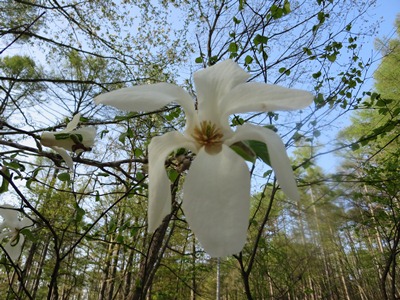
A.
pixel 255 96
pixel 11 220
pixel 216 201
pixel 65 156
pixel 9 214
pixel 277 153
pixel 213 83
pixel 148 98
pixel 88 136
pixel 159 184
pixel 25 222
pixel 73 124
pixel 15 251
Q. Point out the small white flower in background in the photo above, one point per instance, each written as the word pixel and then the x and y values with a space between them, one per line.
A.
pixel 10 230
pixel 71 139
pixel 216 190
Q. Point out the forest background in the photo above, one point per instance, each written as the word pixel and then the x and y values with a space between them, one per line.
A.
pixel 89 238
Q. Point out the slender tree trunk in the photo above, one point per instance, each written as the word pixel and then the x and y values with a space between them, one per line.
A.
pixel 39 269
pixel 129 276
pixel 104 282
pixel 151 261
pixel 218 289
pixel 194 283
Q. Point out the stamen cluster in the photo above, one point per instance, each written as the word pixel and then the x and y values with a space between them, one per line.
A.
pixel 209 136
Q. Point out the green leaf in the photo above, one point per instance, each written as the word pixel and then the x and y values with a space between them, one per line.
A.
pixel 276 12
pixel 61 136
pixel 236 20
pixel 138 152
pixel 15 165
pixel 122 137
pixel 97 198
pixel 261 150
pixel 319 100
pixel 244 150
pixel 28 184
pixel 316 75
pixel 237 121
pixel 248 60
pixel 134 231
pixel 233 47
pixel 28 234
pixel 267 173
pixel 260 39
pixel 64 177
pixel 102 174
pixel 103 133
pixel 286 7
pixel 198 60
pixel 332 57
pixel 77 138
pixel 5 183
pixel 307 51
pixel 316 133
pixel 120 238
pixel 241 4
pixel 80 212
pixel 172 174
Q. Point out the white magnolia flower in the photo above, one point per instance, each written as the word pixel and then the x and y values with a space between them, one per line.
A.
pixel 71 139
pixel 10 229
pixel 216 191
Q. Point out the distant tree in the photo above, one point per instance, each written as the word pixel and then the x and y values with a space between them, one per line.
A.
pixel 374 167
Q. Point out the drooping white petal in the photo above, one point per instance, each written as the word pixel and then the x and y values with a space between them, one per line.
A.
pixel 12 226
pixel 73 124
pixel 65 156
pixel 88 136
pixel 216 201
pixel 254 96
pixel 14 251
pixel 159 184
pixel 277 153
pixel 213 83
pixel 148 98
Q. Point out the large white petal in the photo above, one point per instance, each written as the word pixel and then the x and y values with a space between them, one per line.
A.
pixel 159 184
pixel 149 97
pixel 216 201
pixel 277 153
pixel 213 83
pixel 255 96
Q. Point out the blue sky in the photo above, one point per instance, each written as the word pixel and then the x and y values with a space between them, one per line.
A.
pixel 385 11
